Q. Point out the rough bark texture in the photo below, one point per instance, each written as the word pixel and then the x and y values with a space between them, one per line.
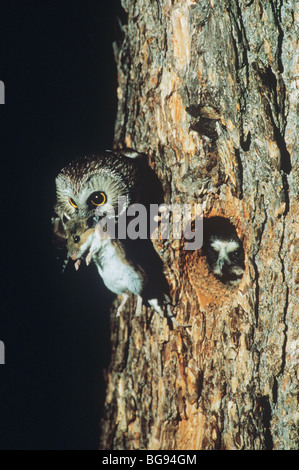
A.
pixel 207 89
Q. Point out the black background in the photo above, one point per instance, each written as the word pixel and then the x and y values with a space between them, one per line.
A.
pixel 57 64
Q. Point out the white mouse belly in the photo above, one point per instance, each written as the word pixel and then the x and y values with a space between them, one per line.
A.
pixel 118 276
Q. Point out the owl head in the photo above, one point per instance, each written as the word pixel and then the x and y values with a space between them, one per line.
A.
pixel 224 250
pixel 92 185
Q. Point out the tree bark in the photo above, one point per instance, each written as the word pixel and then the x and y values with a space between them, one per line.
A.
pixel 207 90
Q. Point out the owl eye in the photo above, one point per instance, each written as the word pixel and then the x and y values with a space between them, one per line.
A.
pixel 72 203
pixel 235 255
pixel 213 254
pixel 98 198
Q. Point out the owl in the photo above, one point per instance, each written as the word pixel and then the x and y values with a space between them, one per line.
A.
pixel 97 182
pixel 89 190
pixel 93 185
pixel 224 251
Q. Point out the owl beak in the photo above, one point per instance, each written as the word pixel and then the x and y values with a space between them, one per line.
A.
pixel 223 265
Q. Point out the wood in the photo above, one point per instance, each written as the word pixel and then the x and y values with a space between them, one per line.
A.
pixel 207 90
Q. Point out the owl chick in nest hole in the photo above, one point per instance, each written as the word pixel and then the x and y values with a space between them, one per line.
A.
pixel 223 250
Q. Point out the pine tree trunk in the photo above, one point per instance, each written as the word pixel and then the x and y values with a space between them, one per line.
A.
pixel 207 90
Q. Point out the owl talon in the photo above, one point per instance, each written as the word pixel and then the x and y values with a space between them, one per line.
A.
pixel 154 303
pixel 173 320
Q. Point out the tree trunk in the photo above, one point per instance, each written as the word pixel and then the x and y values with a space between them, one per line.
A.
pixel 207 90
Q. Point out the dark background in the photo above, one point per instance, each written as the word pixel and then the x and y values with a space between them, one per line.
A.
pixel 57 64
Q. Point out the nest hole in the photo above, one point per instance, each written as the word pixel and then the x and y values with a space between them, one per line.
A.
pixel 223 250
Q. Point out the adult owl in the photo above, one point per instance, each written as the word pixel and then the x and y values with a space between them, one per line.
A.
pixel 97 181
pixel 90 188
pixel 93 185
